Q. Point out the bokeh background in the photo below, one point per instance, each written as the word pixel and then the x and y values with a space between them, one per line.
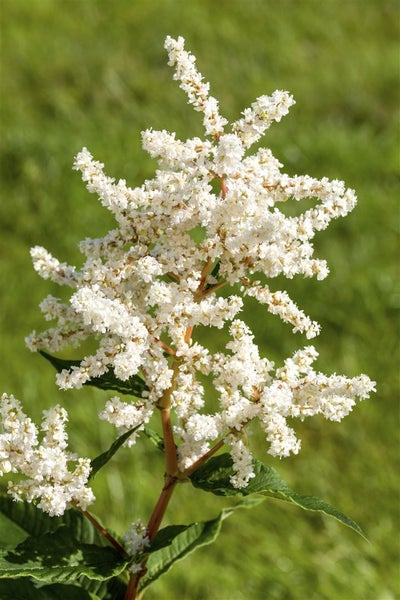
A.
pixel 93 73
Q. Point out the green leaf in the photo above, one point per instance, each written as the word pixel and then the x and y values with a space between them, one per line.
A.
pixel 134 386
pixel 154 437
pixel 102 459
pixel 112 589
pixel 53 549
pixel 214 476
pixel 177 541
pixel 22 519
pixel 11 534
pixel 57 557
pixel 25 589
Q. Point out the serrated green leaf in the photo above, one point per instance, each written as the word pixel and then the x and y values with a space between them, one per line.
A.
pixel 154 437
pixel 112 589
pixel 23 519
pixel 57 591
pixel 11 534
pixel 134 386
pixel 24 589
pixel 101 460
pixel 70 543
pixel 177 542
pixel 214 476
pixel 174 542
pixel 56 557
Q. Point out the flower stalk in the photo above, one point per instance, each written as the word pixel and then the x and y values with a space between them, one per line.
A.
pixel 105 533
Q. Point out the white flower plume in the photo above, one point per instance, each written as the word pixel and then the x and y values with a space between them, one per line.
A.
pixel 44 465
pixel 209 219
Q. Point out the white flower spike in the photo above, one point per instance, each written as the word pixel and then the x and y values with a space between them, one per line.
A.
pixel 209 219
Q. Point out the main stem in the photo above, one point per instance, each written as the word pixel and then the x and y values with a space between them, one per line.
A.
pixel 152 528
pixel 170 480
pixel 171 461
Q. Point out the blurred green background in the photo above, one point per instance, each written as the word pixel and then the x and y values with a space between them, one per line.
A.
pixel 94 73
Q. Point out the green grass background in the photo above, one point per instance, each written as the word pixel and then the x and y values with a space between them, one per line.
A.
pixel 94 73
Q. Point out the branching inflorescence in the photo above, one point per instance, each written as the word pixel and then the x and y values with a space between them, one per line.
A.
pixel 147 285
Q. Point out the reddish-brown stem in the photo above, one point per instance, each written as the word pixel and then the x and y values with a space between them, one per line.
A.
pixel 173 276
pixel 105 533
pixel 213 289
pixel 160 507
pixel 171 471
pixel 204 273
pixel 171 463
pixel 172 475
pixel 210 453
pixel 188 334
pixel 203 459
pixel 164 346
pixel 159 511
pixel 224 189
pixel 131 590
pixel 152 528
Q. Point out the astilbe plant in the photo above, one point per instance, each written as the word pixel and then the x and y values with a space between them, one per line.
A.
pixel 208 220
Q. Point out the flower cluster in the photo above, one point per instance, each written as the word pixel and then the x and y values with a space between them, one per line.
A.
pixel 209 219
pixel 136 541
pixel 45 465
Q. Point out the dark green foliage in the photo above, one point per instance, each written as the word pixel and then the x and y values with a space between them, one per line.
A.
pixel 215 474
pixel 65 551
